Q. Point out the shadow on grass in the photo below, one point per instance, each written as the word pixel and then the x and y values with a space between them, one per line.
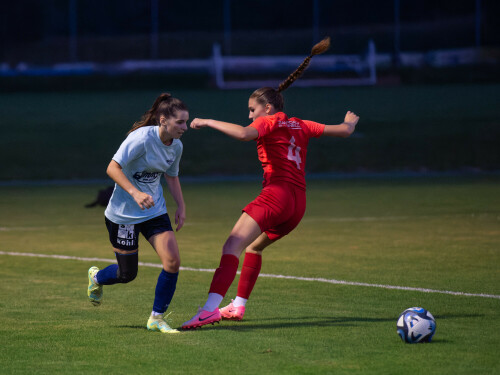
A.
pixel 305 321
pixel 308 321
pixel 299 322
pixel 440 341
pixel 132 327
pixel 458 316
pixel 316 318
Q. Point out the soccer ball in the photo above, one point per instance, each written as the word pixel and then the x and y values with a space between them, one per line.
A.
pixel 416 325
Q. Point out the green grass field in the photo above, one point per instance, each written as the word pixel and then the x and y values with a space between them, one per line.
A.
pixel 440 233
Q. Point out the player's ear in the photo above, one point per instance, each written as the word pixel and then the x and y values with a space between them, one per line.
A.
pixel 268 108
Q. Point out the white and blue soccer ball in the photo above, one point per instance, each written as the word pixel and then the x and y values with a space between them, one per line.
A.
pixel 416 324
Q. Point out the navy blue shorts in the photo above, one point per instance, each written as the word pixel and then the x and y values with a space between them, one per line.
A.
pixel 126 236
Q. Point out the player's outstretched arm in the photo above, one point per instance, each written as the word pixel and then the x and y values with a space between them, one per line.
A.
pixel 345 129
pixel 235 131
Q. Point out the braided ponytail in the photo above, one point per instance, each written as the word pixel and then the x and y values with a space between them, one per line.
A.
pixel 269 95
pixel 166 105
pixel 316 50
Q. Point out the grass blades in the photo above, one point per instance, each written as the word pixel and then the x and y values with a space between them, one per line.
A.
pixel 438 233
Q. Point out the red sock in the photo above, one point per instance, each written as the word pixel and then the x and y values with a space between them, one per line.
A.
pixel 249 273
pixel 224 275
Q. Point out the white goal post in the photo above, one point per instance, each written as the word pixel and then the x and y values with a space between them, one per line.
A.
pixel 354 69
pixel 362 65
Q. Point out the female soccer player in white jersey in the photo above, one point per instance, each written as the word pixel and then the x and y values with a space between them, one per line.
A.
pixel 152 148
pixel 282 147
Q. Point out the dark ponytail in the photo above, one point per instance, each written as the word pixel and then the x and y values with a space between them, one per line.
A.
pixel 316 50
pixel 165 105
pixel 269 95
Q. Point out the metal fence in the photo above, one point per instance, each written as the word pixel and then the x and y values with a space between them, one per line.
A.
pixel 54 31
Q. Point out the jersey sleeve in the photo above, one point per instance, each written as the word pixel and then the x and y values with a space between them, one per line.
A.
pixel 131 148
pixel 263 126
pixel 315 128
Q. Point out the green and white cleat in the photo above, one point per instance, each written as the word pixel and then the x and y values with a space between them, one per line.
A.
pixel 94 291
pixel 158 324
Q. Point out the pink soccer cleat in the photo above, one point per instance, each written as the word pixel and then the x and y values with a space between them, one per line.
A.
pixel 232 313
pixel 203 318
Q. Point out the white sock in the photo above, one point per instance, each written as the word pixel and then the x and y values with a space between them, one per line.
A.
pixel 154 313
pixel 238 301
pixel 213 302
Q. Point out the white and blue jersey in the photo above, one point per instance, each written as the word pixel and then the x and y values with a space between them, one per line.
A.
pixel 143 158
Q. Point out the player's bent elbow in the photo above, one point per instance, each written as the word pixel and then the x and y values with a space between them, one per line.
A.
pixel 340 134
pixel 341 131
pixel 245 138
pixel 347 133
pixel 108 170
pixel 112 166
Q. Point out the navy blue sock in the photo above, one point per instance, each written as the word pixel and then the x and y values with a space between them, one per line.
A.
pixel 108 275
pixel 165 288
pixel 123 272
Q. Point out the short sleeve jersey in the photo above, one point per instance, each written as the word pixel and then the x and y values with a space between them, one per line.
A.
pixel 143 158
pixel 282 147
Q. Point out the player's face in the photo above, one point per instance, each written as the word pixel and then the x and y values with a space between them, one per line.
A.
pixel 255 109
pixel 176 125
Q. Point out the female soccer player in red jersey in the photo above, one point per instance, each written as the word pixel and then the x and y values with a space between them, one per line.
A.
pixel 282 148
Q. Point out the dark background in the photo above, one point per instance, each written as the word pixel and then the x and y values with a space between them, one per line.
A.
pixel 39 31
pixel 417 118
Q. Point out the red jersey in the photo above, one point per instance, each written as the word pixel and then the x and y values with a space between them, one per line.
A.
pixel 282 147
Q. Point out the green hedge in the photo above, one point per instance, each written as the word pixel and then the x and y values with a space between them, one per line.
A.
pixel 74 134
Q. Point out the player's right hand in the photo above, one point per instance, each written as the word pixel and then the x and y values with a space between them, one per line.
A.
pixel 144 200
pixel 198 123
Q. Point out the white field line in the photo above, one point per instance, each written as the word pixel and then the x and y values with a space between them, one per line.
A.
pixel 298 278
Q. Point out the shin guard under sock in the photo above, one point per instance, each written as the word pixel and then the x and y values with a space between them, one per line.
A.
pixel 225 274
pixel 123 272
pixel 108 275
pixel 249 274
pixel 165 288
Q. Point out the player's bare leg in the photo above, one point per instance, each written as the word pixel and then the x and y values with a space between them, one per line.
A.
pixel 245 231
pixel 249 273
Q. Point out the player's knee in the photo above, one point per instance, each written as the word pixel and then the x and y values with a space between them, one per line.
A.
pixel 127 267
pixel 232 246
pixel 127 277
pixel 172 265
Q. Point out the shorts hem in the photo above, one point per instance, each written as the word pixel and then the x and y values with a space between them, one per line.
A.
pixel 249 214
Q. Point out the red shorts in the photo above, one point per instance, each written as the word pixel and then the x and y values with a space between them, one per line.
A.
pixel 278 209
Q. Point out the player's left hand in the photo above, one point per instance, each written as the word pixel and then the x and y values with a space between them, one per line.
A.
pixel 180 217
pixel 351 118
